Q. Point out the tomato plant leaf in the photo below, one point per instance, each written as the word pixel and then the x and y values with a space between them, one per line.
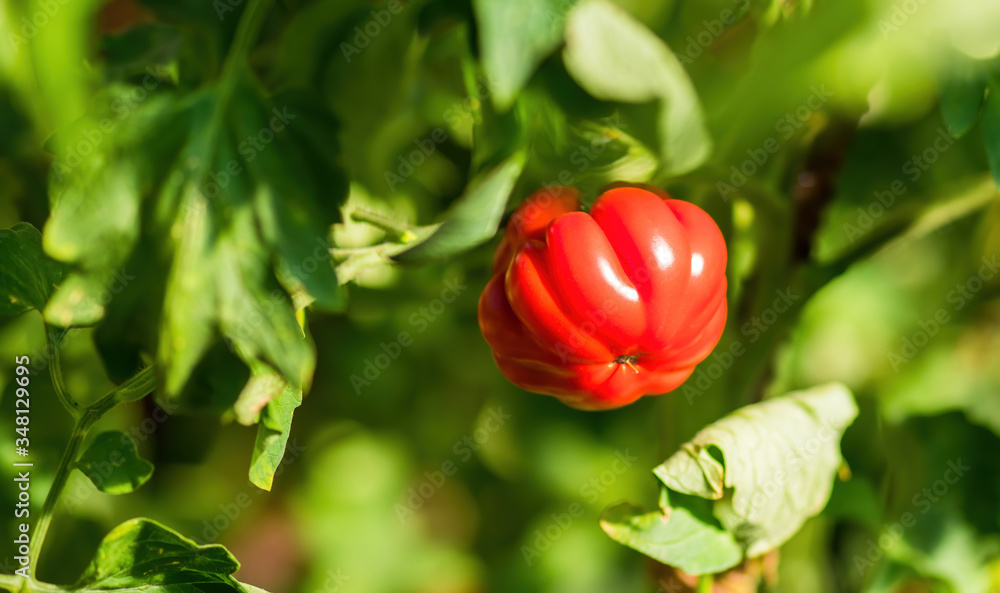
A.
pixel 113 464
pixel 679 537
pixel 474 218
pixel 616 58
pixel 514 37
pixel 272 436
pixel 961 100
pixel 991 130
pixel 28 277
pixel 770 465
pixel 104 164
pixel 263 387
pixel 144 556
pixel 231 210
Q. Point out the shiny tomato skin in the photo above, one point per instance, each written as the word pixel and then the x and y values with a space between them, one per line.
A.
pixel 600 308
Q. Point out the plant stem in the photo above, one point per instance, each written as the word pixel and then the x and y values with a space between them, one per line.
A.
pixel 705 583
pixel 137 387
pixel 55 371
pixel 247 30
pixel 10 582
pixel 395 228
pixel 58 483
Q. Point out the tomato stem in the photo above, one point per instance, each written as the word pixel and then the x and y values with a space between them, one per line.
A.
pixel 137 387
pixel 55 371
pixel 706 583
pixel 397 229
pixel 58 484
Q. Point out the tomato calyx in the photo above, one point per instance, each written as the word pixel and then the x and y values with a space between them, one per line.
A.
pixel 628 360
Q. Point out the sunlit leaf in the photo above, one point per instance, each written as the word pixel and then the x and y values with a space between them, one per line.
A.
pixel 616 58
pixel 770 465
pixel 272 436
pixel 143 556
pixel 678 537
pixel 515 36
pixel 475 217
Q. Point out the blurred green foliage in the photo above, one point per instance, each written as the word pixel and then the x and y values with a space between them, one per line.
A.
pixel 848 150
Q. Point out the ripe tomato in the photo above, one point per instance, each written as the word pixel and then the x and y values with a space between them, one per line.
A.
pixel 601 308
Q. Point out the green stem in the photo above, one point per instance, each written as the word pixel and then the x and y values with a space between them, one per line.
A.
pixel 58 484
pixel 395 228
pixel 55 371
pixel 247 31
pixel 705 583
pixel 246 34
pixel 137 387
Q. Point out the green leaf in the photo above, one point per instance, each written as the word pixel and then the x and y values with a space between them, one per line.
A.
pixel 263 387
pixel 616 58
pixel 770 465
pixel 143 556
pixel 272 436
pixel 960 102
pixel 254 314
pixel 113 464
pixel 133 50
pixel 103 166
pixel 28 277
pixel 991 130
pixel 515 36
pixel 474 218
pixel 944 546
pixel 189 308
pixel 78 302
pixel 679 537
pixel 289 202
pixel 238 197
pixel 95 221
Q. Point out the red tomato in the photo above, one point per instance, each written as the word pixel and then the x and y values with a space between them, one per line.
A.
pixel 601 308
